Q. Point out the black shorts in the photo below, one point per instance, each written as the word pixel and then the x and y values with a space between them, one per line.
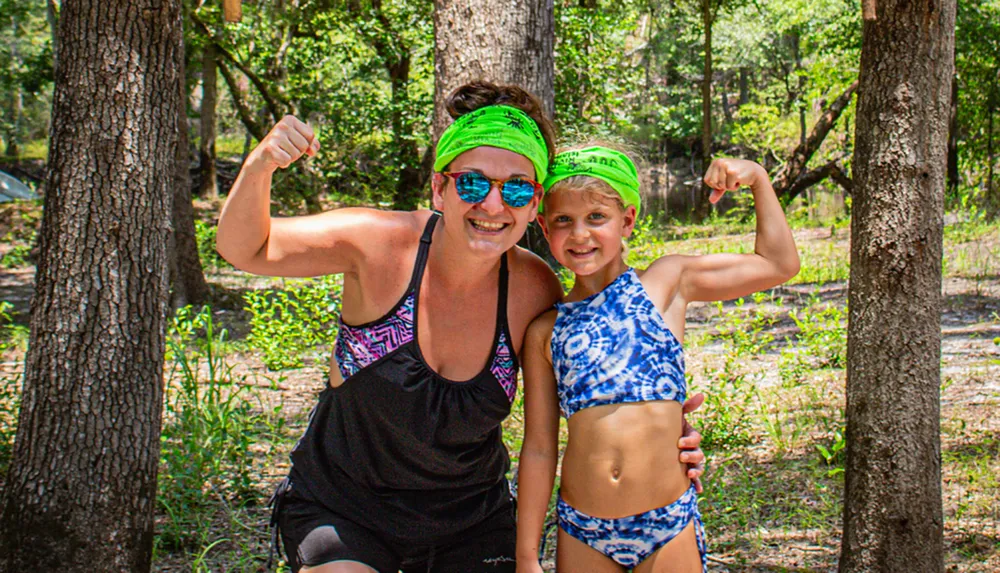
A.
pixel 313 535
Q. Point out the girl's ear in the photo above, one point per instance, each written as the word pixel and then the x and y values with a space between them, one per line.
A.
pixel 438 184
pixel 544 226
pixel 628 221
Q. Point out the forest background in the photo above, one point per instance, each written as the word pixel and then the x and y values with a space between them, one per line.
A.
pixel 777 79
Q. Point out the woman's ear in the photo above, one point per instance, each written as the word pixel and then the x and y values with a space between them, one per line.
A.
pixel 438 185
pixel 628 220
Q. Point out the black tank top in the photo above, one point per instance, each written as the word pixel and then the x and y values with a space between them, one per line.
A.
pixel 399 449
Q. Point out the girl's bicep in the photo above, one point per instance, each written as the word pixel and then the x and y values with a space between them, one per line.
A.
pixel 725 276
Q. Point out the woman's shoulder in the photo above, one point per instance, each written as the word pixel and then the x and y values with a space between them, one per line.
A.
pixel 532 276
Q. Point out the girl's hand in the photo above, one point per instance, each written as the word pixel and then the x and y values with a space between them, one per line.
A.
pixel 725 174
pixel 690 443
pixel 287 141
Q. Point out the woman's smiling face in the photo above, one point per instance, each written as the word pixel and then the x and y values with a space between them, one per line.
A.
pixel 585 229
pixel 490 227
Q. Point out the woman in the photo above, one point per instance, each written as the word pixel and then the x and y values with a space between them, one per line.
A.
pixel 402 465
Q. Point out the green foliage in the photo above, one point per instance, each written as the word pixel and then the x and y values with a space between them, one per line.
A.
pixel 597 75
pixel 11 335
pixel 822 337
pixel 205 237
pixel 286 322
pixel 977 67
pixel 25 70
pixel 727 421
pixel 834 453
pixel 213 418
pixel 746 330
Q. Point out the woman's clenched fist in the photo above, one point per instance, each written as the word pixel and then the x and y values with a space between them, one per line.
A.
pixel 287 141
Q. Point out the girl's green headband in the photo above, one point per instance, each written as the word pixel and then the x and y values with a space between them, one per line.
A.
pixel 613 167
pixel 494 126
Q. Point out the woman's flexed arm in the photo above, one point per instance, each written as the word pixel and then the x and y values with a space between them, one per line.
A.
pixel 327 243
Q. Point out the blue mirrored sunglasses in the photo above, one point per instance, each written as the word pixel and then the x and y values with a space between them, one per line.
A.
pixel 473 187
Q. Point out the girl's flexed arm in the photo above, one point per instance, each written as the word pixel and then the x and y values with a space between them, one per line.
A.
pixel 540 450
pixel 775 258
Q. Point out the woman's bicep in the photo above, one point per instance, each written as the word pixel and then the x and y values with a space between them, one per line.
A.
pixel 326 243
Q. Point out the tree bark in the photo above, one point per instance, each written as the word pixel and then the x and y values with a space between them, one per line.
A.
pixel 496 40
pixel 893 509
pixel 208 187
pixel 82 483
pixel 500 41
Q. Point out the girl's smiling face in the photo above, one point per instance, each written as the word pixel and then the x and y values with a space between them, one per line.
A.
pixel 585 228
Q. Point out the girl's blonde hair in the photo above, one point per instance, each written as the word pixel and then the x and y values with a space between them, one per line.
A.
pixel 592 186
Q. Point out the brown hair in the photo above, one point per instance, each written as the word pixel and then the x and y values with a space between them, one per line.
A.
pixel 481 93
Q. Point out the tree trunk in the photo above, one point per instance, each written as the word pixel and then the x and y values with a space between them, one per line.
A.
pixel 992 195
pixel 208 187
pixel 500 41
pixel 496 40
pixel 13 134
pixel 702 206
pixel 82 482
pixel 744 85
pixel 52 16
pixel 953 140
pixel 187 277
pixel 892 510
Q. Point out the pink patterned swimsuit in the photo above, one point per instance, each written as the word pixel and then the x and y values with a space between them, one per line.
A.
pixel 399 449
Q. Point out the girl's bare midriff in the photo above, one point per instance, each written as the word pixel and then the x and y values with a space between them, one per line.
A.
pixel 623 459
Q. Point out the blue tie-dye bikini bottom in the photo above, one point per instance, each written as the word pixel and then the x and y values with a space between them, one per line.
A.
pixel 630 540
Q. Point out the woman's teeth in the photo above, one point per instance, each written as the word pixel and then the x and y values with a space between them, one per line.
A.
pixel 487 225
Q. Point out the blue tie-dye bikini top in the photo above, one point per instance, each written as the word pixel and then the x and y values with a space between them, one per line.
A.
pixel 615 347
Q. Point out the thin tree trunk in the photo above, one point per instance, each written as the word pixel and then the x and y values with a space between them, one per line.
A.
pixel 702 206
pixel 993 195
pixel 208 187
pixel 13 134
pixel 52 16
pixel 82 483
pixel 953 140
pixel 893 509
pixel 187 277
pixel 744 85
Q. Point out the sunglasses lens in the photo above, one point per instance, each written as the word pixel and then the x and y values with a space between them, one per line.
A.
pixel 518 192
pixel 472 187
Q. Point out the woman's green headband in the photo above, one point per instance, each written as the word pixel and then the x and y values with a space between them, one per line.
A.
pixel 613 167
pixel 494 126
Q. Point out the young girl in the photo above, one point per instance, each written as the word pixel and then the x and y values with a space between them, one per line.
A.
pixel 610 358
